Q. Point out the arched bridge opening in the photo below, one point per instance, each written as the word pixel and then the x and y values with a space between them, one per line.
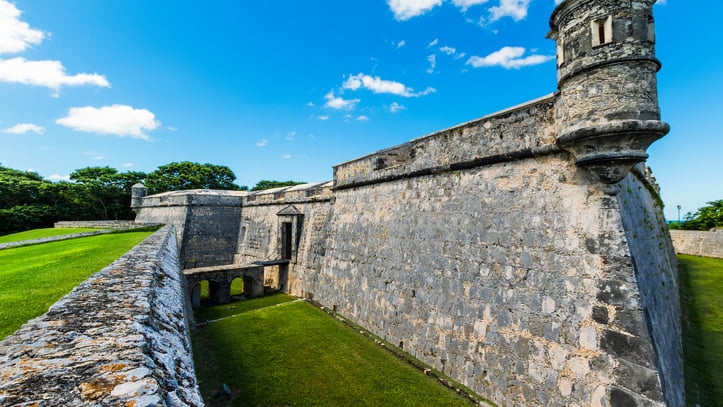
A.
pixel 219 282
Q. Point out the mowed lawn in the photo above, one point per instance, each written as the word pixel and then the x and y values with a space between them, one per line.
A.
pixel 40 233
pixel 701 298
pixel 279 352
pixel 35 277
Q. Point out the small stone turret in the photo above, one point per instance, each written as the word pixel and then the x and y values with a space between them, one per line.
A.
pixel 138 192
pixel 608 110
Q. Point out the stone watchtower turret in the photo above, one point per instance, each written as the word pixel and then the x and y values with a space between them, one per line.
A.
pixel 608 109
pixel 138 192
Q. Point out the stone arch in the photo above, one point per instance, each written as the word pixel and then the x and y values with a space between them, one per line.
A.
pixel 219 282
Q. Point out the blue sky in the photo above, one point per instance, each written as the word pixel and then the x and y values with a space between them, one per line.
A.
pixel 287 89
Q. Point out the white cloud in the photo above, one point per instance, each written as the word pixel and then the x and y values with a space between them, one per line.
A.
pixel 286 156
pixel 406 9
pixel 25 128
pixel 98 157
pixel 508 58
pixel 517 9
pixel 432 59
pixel 363 118
pixel 290 135
pixel 15 35
pixel 50 74
pixel 451 51
pixel 127 165
pixel 262 143
pixel 339 103
pixel 323 117
pixel 401 43
pixel 395 107
pixel 117 120
pixel 465 4
pixel 448 50
pixel 379 85
pixel 433 43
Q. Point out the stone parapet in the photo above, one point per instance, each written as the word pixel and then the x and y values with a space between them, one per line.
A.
pixel 521 132
pixel 100 224
pixel 119 338
pixel 317 191
pixel 198 197
pixel 698 243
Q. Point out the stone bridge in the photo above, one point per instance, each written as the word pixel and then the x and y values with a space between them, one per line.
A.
pixel 219 281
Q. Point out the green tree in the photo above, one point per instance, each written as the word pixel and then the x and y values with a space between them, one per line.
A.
pixel 185 175
pixel 705 218
pixel 105 193
pixel 266 184
pixel 26 217
pixel 18 187
pixel 23 202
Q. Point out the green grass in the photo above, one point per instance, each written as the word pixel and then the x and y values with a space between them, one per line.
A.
pixel 294 354
pixel 701 296
pixel 210 311
pixel 35 277
pixel 40 233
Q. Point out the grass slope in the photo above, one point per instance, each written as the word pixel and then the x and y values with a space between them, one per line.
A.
pixel 701 297
pixel 35 277
pixel 41 233
pixel 294 354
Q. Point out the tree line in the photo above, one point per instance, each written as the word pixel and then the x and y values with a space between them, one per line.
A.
pixel 708 217
pixel 27 201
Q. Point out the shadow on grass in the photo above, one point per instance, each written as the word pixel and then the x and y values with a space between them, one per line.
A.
pixel 293 354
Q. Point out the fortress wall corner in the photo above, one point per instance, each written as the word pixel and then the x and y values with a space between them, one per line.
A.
pixel 512 273
pixel 656 271
pixel 206 222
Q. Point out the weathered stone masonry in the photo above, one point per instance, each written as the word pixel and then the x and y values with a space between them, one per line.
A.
pixel 206 223
pixel 697 243
pixel 524 254
pixel 119 338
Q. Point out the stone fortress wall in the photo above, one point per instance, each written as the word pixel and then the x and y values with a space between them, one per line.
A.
pixel 524 254
pixel 206 222
pixel 698 243
pixel 119 338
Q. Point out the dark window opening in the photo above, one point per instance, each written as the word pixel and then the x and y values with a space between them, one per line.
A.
pixel 286 240
pixel 601 32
